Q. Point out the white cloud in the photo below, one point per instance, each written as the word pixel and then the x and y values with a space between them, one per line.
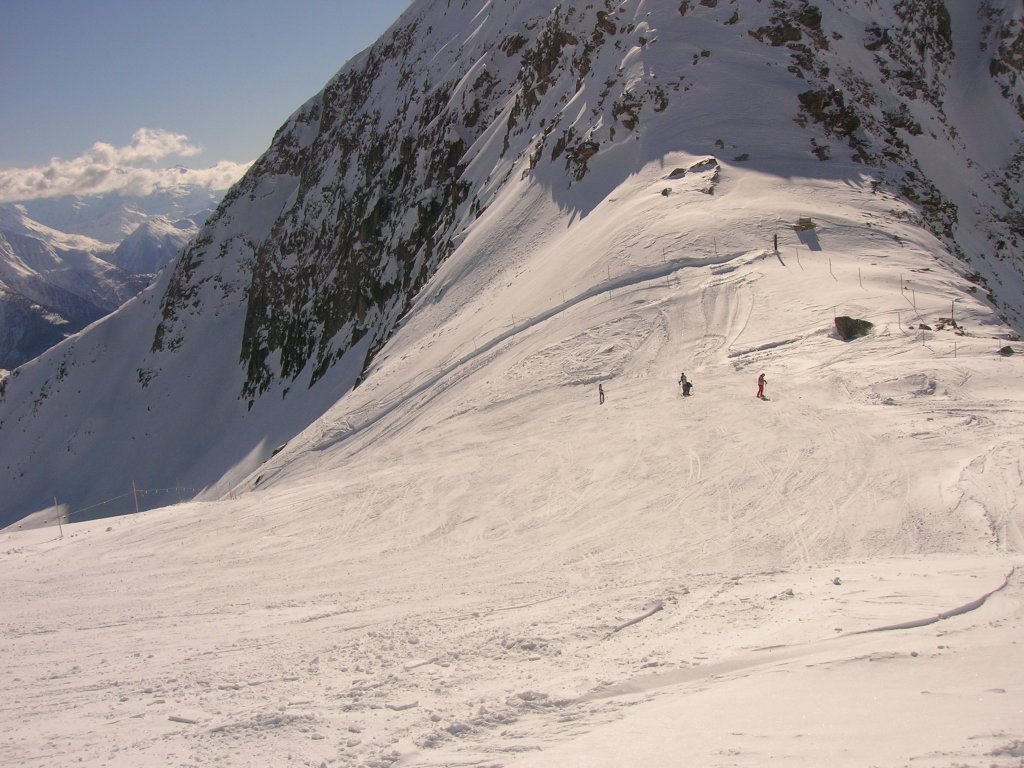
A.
pixel 106 168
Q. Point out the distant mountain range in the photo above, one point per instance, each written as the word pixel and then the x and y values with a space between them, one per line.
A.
pixel 67 262
pixel 112 217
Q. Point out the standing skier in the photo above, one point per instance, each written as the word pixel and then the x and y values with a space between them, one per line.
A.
pixel 684 384
pixel 600 394
pixel 761 381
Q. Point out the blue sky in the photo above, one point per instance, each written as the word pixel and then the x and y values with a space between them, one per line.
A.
pixel 218 75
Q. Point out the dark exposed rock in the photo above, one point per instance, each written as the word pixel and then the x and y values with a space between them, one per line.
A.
pixel 850 328
pixel 828 107
pixel 875 37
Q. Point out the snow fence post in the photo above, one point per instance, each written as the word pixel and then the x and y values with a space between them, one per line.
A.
pixel 56 508
pixel 135 495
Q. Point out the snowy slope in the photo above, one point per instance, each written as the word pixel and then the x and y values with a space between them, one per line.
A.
pixel 468 560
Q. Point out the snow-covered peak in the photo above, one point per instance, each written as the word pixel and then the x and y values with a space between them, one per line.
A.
pixel 153 244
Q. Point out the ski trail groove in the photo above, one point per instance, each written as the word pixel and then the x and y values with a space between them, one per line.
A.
pixel 973 605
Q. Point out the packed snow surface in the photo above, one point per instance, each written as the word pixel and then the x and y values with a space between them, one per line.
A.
pixel 471 561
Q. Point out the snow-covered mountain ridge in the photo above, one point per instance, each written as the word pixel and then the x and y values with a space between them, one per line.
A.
pixel 113 216
pixel 308 266
pixel 154 243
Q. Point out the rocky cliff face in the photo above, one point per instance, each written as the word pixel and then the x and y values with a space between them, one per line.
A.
pixel 314 257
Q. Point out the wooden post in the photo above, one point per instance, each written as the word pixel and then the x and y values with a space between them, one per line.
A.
pixel 898 321
pixel 135 495
pixel 860 277
pixel 56 508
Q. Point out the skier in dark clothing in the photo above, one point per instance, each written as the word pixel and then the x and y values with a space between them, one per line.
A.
pixel 684 383
pixel 600 394
pixel 761 381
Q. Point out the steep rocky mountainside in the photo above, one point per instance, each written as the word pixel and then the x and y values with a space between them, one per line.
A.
pixel 373 175
pixel 315 257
